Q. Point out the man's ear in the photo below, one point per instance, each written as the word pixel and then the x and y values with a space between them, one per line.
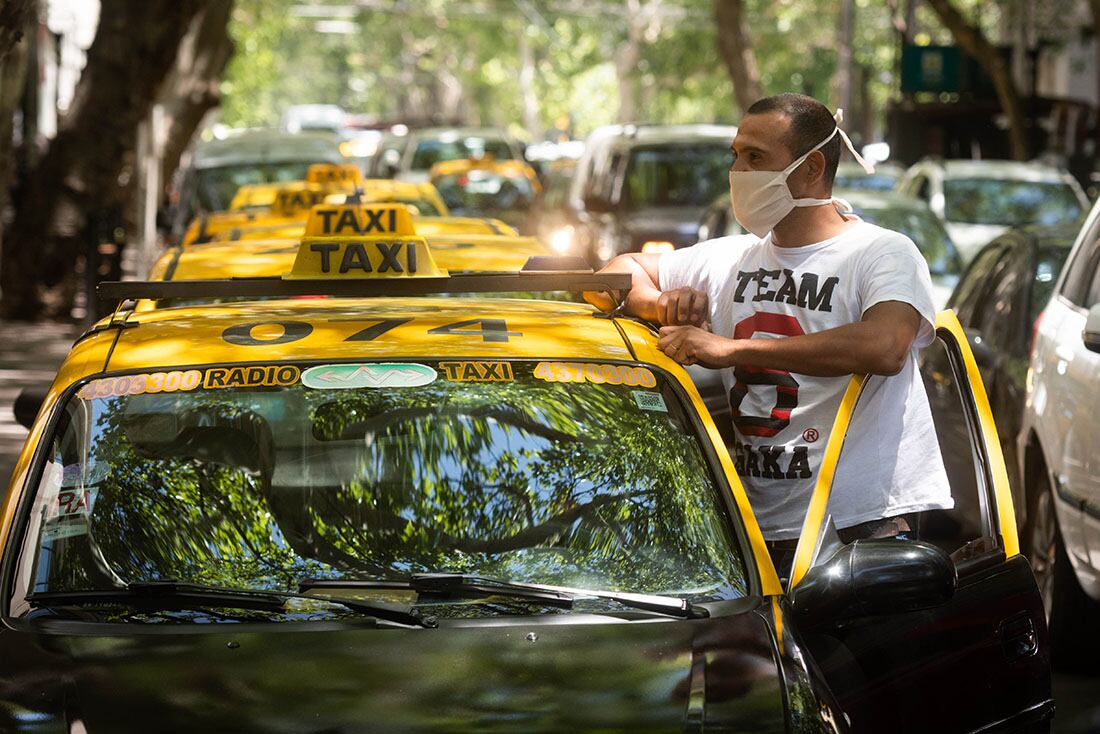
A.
pixel 812 175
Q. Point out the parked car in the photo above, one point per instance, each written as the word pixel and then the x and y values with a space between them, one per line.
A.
pixel 639 184
pixel 1059 456
pixel 893 211
pixel 409 155
pixel 998 301
pixel 978 200
pixel 219 167
pixel 850 175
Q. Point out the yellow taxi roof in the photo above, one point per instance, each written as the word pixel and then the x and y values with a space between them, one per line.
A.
pixel 259 258
pixel 263 195
pixel 258 332
pixel 425 225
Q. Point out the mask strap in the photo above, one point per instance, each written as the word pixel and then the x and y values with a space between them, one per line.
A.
pixel 839 117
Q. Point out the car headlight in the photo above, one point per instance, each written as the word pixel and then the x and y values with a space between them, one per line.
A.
pixel 561 240
pixel 655 247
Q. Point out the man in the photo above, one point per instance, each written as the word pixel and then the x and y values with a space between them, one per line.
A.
pixel 790 312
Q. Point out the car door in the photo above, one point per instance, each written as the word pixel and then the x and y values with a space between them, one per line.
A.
pixel 974 658
pixel 1082 382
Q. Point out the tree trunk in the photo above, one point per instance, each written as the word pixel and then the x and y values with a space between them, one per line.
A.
pixel 527 92
pixel 972 41
pixel 13 76
pixel 735 46
pixel 844 60
pixel 193 87
pixel 80 177
pixel 14 16
pixel 627 57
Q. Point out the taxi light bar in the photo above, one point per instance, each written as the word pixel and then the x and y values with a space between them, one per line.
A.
pixel 280 287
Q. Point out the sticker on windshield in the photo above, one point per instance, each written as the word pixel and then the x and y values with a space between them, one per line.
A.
pixel 649 400
pixel 64 528
pixel 601 374
pixel 149 382
pixel 477 371
pixel 259 376
pixel 374 375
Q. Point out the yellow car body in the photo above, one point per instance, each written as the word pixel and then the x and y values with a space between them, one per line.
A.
pixel 506 168
pixel 262 197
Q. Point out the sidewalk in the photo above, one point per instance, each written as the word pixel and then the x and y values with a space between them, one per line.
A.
pixel 29 353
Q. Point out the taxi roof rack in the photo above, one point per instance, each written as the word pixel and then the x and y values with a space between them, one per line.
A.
pixel 267 287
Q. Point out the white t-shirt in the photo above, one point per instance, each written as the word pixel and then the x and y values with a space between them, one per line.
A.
pixel 891 462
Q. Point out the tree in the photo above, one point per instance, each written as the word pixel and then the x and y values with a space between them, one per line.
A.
pixel 193 87
pixel 14 15
pixel 84 172
pixel 973 41
pixel 735 46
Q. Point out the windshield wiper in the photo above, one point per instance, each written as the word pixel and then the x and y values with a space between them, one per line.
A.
pixel 457 584
pixel 159 592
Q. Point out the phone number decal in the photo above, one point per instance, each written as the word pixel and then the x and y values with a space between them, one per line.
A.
pixel 601 374
pixel 152 382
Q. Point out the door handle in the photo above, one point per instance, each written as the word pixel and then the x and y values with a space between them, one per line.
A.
pixel 1018 638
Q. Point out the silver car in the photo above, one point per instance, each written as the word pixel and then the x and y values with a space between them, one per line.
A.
pixel 979 200
pixel 1059 450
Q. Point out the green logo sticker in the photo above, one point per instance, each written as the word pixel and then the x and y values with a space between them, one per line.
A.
pixel 376 375
pixel 649 400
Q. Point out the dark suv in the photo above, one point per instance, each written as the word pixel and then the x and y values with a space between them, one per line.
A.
pixel 646 183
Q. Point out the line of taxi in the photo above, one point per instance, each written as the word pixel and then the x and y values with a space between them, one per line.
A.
pixel 297 484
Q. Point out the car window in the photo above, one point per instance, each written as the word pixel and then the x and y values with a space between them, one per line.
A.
pixel 1010 203
pixel 975 282
pixel 485 193
pixel 995 317
pixel 1048 264
pixel 255 477
pixel 1082 268
pixel 217 186
pixel 430 151
pixel 1092 295
pixel 676 175
pixel 865 181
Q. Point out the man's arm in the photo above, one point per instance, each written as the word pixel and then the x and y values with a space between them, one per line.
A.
pixel 646 300
pixel 878 345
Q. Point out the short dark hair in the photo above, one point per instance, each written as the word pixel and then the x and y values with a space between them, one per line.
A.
pixel 810 120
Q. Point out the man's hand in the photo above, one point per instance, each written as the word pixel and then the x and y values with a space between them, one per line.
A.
pixel 682 306
pixel 692 345
pixel 645 300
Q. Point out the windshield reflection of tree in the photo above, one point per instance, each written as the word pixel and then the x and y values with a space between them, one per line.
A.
pixel 525 480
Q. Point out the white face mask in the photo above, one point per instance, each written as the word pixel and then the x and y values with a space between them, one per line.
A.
pixel 762 199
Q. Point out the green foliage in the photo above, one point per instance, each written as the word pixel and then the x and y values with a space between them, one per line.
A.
pixel 401 64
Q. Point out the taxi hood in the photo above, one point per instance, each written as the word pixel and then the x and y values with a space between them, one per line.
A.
pixel 573 673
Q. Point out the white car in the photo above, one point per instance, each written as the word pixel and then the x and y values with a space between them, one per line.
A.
pixel 980 200
pixel 1059 450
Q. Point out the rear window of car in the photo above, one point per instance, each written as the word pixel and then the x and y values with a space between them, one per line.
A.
pixel 431 151
pixel 1009 203
pixel 257 476
pixel 217 186
pixel 924 229
pixel 677 175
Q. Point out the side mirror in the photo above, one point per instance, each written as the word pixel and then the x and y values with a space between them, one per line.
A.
pixel 984 354
pixel 868 577
pixel 1091 334
pixel 28 403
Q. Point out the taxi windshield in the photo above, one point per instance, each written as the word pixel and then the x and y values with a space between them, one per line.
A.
pixel 255 477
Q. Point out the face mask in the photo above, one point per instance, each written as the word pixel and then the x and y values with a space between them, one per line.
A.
pixel 762 199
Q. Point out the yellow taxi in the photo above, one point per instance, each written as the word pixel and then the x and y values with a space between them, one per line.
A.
pixel 251 258
pixel 505 189
pixel 461 513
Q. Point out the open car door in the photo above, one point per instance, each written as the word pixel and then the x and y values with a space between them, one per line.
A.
pixel 943 631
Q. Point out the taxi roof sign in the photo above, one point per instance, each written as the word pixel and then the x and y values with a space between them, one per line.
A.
pixel 328 173
pixel 362 241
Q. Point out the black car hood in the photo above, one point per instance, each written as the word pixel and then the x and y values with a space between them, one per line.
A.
pixel 676 224
pixel 580 673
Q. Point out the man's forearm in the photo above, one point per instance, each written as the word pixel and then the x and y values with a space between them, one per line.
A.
pixel 859 348
pixel 641 301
